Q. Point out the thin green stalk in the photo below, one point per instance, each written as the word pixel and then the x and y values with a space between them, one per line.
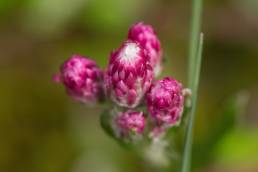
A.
pixel 194 65
pixel 189 130
pixel 194 36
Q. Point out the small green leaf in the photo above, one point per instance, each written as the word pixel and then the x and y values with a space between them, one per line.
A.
pixel 105 122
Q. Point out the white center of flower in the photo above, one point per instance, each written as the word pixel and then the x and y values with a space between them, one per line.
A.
pixel 129 52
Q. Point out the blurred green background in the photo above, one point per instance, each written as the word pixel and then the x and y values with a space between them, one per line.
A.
pixel 43 130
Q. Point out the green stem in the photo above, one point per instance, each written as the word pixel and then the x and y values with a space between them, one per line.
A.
pixel 194 65
pixel 194 36
pixel 189 130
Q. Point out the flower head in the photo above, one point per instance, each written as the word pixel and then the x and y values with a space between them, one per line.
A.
pixel 165 102
pixel 146 37
pixel 130 122
pixel 128 75
pixel 81 78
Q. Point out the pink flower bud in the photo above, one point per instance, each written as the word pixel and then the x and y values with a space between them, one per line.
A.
pixel 81 78
pixel 130 122
pixel 146 37
pixel 128 75
pixel 165 102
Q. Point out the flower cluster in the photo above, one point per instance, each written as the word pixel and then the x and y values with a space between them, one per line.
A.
pixel 129 82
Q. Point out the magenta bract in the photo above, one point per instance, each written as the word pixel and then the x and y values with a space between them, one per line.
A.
pixel 82 79
pixel 130 122
pixel 165 102
pixel 128 75
pixel 146 37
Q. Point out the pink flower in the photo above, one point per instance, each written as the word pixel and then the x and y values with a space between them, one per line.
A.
pixel 146 37
pixel 130 122
pixel 165 102
pixel 129 75
pixel 81 78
